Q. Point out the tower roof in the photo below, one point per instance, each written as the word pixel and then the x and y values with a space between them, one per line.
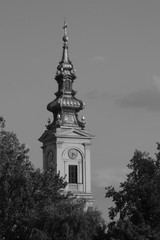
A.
pixel 66 106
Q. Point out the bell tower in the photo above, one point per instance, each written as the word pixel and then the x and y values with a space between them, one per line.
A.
pixel 65 142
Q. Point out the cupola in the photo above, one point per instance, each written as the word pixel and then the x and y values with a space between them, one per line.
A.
pixel 66 106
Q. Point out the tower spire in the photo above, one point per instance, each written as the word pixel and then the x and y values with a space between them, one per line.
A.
pixel 66 106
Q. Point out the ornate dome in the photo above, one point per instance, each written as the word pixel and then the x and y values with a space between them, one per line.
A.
pixel 66 106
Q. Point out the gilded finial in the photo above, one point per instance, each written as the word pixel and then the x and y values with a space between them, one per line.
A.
pixel 65 37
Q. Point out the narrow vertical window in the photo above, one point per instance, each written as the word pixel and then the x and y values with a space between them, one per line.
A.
pixel 73 174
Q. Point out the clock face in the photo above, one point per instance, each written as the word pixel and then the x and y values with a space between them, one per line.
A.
pixel 72 153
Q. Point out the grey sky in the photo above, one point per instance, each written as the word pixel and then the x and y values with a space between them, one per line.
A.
pixel 114 46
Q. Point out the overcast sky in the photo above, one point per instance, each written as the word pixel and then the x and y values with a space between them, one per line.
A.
pixel 115 48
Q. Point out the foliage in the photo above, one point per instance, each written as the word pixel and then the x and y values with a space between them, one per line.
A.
pixel 33 204
pixel 136 210
pixel 24 191
pixel 126 230
pixel 67 220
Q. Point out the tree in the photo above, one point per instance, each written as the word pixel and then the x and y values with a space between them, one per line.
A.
pixel 33 204
pixel 136 214
pixel 24 191
pixel 67 220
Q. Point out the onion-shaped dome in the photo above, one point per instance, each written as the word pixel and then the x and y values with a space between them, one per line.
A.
pixel 65 103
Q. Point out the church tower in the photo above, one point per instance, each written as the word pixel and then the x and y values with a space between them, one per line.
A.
pixel 66 142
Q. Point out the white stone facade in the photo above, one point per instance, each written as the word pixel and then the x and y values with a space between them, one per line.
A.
pixel 66 150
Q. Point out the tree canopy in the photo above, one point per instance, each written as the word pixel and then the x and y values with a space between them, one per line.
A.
pixel 32 203
pixel 136 211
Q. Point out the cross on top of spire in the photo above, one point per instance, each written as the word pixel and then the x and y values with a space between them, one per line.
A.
pixel 65 37
pixel 65 28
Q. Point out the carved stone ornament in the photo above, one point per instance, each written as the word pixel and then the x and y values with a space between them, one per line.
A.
pixel 69 118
